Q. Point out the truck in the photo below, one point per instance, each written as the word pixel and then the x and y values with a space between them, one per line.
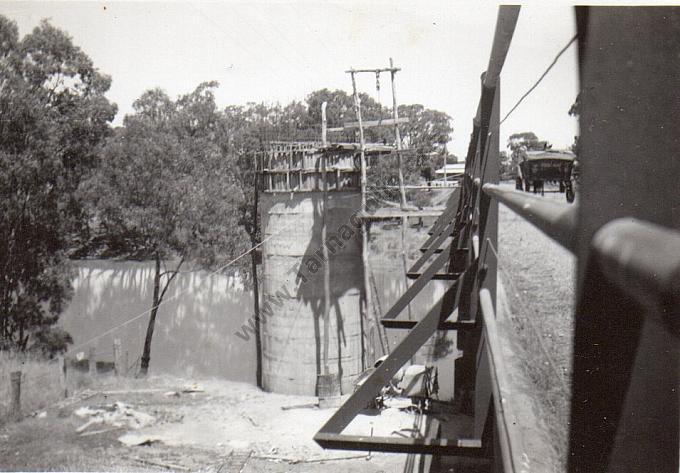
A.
pixel 538 167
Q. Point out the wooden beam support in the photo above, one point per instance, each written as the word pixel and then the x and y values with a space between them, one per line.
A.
pixel 373 123
pixel 436 251
pixel 457 447
pixel 436 276
pixel 380 69
pixel 417 286
pixel 382 375
pixel 626 367
pixel 461 325
pixel 438 242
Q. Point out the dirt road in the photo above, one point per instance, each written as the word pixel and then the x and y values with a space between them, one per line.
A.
pixel 538 276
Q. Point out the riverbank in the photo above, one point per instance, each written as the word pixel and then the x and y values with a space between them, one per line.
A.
pixel 167 423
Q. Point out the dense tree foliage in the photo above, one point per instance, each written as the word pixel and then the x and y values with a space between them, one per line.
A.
pixel 165 191
pixel 424 137
pixel 53 117
pixel 175 184
pixel 519 144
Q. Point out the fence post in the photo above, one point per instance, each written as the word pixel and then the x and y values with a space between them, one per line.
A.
pixel 15 407
pixel 63 375
pixel 116 356
pixel 92 363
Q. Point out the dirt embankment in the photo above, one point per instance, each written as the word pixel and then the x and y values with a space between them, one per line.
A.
pixel 154 425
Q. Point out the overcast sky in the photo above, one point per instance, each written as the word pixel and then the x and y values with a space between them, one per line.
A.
pixel 279 51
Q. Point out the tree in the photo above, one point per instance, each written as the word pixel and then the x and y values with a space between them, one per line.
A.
pixel 506 167
pixel 54 116
pixel 575 111
pixel 520 143
pixel 245 131
pixel 426 134
pixel 166 191
pixel 424 139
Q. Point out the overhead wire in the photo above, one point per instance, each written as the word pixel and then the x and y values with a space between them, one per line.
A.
pixel 167 299
pixel 545 73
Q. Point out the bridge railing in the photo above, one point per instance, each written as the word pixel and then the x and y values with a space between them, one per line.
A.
pixel 623 229
pixel 453 253
pixel 624 233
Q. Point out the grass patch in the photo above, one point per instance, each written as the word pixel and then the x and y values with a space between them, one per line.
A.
pixel 41 385
pixel 39 382
pixel 538 276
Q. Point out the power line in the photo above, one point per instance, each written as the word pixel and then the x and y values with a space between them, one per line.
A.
pixel 545 73
pixel 167 299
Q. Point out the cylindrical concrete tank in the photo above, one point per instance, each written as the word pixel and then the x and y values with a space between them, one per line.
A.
pixel 293 290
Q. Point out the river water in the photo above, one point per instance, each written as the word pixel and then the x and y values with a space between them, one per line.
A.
pixel 196 325
pixel 194 332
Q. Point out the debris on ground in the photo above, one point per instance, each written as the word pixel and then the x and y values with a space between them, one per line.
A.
pixel 411 387
pixel 138 440
pixel 249 419
pixel 397 402
pixel 169 466
pixel 310 405
pixel 193 388
pixel 295 461
pixel 117 414
pixel 101 431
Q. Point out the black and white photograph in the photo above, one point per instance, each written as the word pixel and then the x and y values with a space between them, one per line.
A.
pixel 333 236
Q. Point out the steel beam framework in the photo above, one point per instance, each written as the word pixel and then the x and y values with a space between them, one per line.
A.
pixel 624 230
pixel 449 254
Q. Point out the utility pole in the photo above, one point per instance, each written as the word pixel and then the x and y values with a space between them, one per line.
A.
pixel 324 246
pixel 364 224
pixel 402 192
pixel 397 135
pixel 259 165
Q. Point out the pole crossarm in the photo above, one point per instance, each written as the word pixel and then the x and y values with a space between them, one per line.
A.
pixel 374 123
pixel 373 71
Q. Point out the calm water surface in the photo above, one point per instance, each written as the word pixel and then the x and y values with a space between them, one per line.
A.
pixel 196 325
pixel 194 332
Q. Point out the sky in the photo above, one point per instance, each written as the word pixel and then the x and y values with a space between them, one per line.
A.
pixel 279 51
